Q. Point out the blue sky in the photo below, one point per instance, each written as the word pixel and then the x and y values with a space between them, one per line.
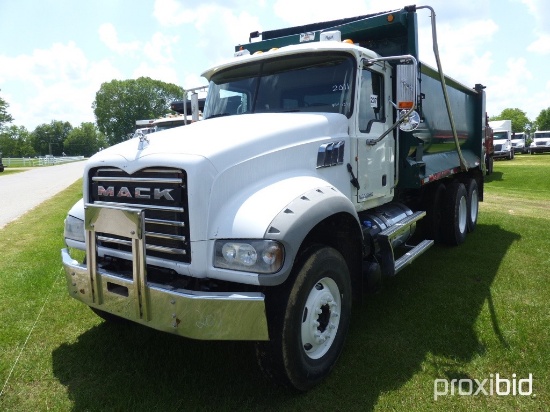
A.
pixel 55 54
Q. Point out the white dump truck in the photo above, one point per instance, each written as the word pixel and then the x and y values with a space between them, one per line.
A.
pixel 329 158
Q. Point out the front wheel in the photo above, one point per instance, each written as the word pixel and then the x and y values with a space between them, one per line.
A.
pixel 308 321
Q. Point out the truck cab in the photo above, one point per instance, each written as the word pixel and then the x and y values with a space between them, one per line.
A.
pixel 502 139
pixel 519 142
pixel 541 142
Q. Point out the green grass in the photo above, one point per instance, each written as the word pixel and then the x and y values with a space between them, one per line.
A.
pixel 456 313
pixel 7 172
pixel 20 162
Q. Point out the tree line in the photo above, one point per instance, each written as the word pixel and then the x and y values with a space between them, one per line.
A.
pixel 117 106
pixel 520 122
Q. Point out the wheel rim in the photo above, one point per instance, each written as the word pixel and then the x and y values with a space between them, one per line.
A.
pixel 321 317
pixel 462 214
pixel 473 206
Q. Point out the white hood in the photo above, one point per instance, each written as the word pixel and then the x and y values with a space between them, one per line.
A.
pixel 227 141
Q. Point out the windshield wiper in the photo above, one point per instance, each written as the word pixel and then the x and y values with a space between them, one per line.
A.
pixel 217 115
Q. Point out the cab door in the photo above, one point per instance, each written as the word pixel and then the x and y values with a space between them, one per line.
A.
pixel 375 162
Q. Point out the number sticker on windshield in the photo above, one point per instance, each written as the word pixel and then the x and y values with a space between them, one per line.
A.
pixel 373 100
pixel 340 87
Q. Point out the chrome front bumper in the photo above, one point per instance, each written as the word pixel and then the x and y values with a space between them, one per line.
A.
pixel 193 314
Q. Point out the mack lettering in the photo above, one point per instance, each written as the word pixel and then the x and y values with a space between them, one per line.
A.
pixel 136 193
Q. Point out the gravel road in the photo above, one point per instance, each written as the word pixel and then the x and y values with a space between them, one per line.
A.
pixel 20 192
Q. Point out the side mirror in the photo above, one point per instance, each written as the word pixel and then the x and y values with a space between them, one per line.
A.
pixel 406 85
pixel 409 120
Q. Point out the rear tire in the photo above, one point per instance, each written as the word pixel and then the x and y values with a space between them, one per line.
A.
pixel 491 165
pixel 308 321
pixel 455 217
pixel 473 203
pixel 433 204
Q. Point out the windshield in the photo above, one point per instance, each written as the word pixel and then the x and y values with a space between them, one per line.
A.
pixel 500 135
pixel 303 83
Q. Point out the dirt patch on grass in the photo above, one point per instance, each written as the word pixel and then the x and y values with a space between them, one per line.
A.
pixel 517 206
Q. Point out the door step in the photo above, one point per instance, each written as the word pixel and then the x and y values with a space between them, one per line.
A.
pixel 389 265
pixel 412 254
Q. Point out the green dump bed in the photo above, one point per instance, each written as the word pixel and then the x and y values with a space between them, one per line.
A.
pixel 429 153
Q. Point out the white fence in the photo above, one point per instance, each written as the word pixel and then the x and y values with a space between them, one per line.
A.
pixel 38 161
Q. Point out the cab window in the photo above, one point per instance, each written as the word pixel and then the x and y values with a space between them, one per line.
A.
pixel 371 105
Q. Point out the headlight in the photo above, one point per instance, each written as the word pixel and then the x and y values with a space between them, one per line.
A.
pixel 74 229
pixel 260 256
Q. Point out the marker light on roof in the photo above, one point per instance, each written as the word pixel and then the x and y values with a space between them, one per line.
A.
pixel 349 41
pixel 241 52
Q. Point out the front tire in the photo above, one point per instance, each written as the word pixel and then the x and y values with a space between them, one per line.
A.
pixel 308 320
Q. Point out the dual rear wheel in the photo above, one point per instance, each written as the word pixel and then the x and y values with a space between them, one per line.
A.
pixel 451 211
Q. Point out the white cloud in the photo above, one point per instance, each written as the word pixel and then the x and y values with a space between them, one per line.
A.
pixel 59 83
pixel 463 49
pixel 541 45
pixel 165 73
pixel 159 48
pixel 109 36
pixel 172 13
pixel 305 12
pixel 298 13
pixel 193 80
pixel 216 26
pixel 540 10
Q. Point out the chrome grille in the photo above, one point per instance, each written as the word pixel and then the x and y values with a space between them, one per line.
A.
pixel 162 192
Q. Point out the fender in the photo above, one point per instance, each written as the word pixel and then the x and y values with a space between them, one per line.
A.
pixel 285 210
pixel 294 222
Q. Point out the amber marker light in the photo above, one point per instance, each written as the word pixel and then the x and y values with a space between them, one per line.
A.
pixel 390 18
pixel 349 41
pixel 405 105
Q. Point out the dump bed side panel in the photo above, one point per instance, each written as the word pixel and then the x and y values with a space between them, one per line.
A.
pixel 429 153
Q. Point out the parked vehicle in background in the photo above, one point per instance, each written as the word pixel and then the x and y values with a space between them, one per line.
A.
pixel 502 139
pixel 541 142
pixel 1 164
pixel 323 150
pixel 186 114
pixel 519 142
